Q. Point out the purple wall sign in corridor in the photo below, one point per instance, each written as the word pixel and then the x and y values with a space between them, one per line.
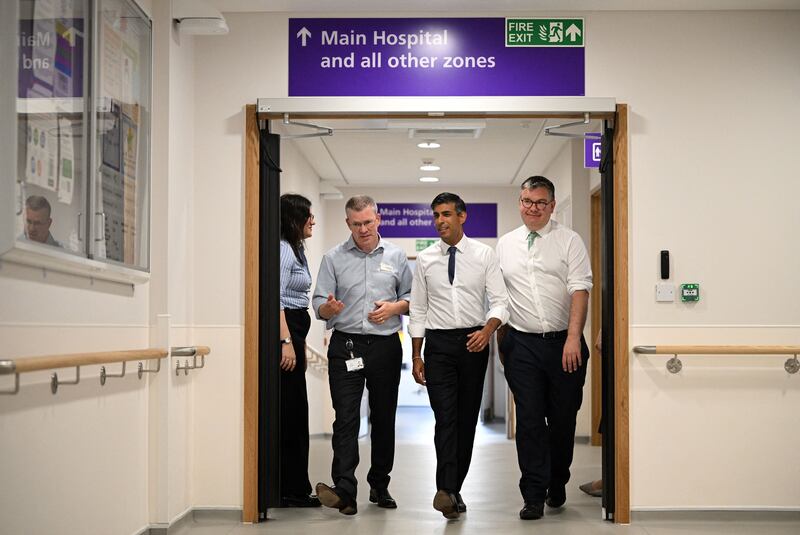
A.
pixel 592 148
pixel 415 220
pixel 426 57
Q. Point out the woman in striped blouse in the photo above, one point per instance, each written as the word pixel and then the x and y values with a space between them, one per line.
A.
pixel 297 223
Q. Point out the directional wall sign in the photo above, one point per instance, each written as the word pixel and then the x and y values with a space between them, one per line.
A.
pixel 435 57
pixel 415 220
pixel 592 149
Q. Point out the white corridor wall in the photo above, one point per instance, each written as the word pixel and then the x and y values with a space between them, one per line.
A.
pixel 700 178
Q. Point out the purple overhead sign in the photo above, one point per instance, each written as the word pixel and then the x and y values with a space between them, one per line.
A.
pixel 424 57
pixel 415 220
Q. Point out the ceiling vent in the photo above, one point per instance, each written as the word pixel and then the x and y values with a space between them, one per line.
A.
pixel 441 133
pixel 439 129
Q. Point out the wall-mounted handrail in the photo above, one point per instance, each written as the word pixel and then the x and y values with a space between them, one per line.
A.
pixel 76 360
pixel 674 365
pixel 190 351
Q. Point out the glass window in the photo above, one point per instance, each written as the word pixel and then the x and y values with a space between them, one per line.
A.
pixel 121 194
pixel 79 168
pixel 51 124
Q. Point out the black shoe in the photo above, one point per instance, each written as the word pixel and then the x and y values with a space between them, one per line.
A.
pixel 445 502
pixel 462 507
pixel 300 501
pixel 532 511
pixel 382 498
pixel 556 497
pixel 329 498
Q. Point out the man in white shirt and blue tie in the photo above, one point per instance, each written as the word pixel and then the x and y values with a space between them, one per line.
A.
pixel 548 275
pixel 455 279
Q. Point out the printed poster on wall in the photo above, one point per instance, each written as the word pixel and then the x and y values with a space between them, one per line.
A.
pixel 130 143
pixel 66 157
pixel 42 152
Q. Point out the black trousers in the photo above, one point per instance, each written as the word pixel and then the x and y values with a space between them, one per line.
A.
pixel 454 378
pixel 382 356
pixel 547 401
pixel 294 411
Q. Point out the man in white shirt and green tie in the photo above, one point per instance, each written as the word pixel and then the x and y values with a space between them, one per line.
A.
pixel 548 275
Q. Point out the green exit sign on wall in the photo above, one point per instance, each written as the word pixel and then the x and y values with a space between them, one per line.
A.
pixel 544 32
pixel 424 244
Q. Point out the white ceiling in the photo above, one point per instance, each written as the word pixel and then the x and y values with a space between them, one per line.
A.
pixel 379 152
pixel 495 6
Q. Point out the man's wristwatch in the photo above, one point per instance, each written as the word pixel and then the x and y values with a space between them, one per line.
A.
pixel 287 340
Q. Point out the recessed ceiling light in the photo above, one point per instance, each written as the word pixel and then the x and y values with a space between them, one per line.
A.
pixel 429 167
pixel 428 179
pixel 429 144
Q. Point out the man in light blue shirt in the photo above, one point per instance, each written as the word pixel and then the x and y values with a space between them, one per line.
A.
pixel 363 288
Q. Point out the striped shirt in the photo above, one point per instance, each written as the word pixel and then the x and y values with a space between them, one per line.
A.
pixel 295 279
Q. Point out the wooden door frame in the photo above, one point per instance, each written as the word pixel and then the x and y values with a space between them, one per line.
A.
pixel 251 310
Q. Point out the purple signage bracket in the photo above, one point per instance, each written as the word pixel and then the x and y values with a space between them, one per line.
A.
pixel 592 149
pixel 424 57
pixel 415 220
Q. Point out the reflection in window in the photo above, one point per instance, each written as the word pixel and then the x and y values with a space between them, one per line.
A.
pixel 123 133
pixel 50 123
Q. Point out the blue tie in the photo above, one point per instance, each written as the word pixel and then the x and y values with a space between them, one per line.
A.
pixel 451 264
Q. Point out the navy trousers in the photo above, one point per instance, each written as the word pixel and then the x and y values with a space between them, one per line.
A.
pixel 547 401
pixel 454 378
pixel 383 357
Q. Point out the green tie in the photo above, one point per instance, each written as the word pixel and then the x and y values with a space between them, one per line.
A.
pixel 532 236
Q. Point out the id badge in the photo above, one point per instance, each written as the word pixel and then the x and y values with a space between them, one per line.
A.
pixel 354 364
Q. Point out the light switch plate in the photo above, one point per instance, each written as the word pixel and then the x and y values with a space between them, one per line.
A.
pixel 665 292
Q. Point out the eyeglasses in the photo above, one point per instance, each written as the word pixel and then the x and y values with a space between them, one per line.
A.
pixel 363 224
pixel 541 204
pixel 311 217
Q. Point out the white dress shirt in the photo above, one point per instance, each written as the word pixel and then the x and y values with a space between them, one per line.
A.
pixel 542 279
pixel 437 304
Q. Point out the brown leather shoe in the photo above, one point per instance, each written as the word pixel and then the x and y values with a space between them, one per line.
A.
pixel 329 498
pixel 592 489
pixel 445 502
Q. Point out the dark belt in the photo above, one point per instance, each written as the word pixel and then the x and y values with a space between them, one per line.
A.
pixel 465 330
pixel 366 338
pixel 551 334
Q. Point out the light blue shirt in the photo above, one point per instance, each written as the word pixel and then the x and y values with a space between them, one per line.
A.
pixel 295 279
pixel 358 279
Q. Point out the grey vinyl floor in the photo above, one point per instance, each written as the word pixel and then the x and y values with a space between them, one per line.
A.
pixel 490 492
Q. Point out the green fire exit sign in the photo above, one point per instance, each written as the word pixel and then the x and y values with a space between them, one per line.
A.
pixel 544 32
pixel 425 243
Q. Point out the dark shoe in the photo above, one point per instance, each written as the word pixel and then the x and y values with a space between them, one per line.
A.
pixel 382 498
pixel 462 507
pixel 445 502
pixel 590 489
pixel 329 498
pixel 532 511
pixel 556 497
pixel 300 501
